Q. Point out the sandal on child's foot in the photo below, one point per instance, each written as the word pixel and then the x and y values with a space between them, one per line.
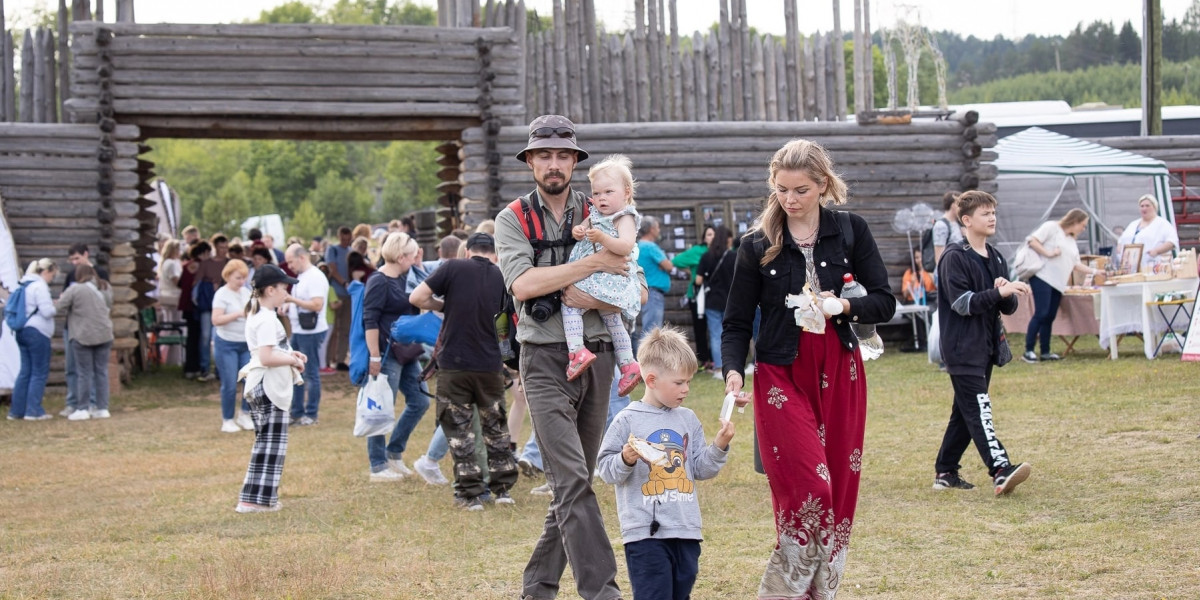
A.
pixel 580 361
pixel 631 376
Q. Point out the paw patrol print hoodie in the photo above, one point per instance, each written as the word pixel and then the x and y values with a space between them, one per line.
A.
pixel 661 486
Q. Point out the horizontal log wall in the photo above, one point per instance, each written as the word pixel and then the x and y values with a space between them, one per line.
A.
pixel 721 168
pixel 302 81
pixel 53 180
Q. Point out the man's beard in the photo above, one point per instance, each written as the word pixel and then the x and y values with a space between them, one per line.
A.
pixel 555 188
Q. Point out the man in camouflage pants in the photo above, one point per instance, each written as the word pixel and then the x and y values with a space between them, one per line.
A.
pixel 470 375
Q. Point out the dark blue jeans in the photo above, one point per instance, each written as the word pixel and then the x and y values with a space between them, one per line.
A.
pixel 308 344
pixel 230 358
pixel 31 379
pixel 406 379
pixel 1045 308
pixel 663 569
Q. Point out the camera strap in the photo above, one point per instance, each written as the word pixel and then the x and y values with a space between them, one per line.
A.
pixel 533 219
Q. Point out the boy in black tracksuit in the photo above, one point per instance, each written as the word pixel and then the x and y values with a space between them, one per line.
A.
pixel 972 292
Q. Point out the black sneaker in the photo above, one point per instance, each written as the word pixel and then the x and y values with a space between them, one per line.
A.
pixel 469 504
pixel 951 481
pixel 1029 357
pixel 1051 356
pixel 1008 478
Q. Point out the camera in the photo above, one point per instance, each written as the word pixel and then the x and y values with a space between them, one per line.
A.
pixel 544 307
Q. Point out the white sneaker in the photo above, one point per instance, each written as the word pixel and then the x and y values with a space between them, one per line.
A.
pixel 542 490
pixel 244 421
pixel 100 414
pixel 428 469
pixel 228 426
pixel 79 415
pixel 397 465
pixel 66 412
pixel 385 475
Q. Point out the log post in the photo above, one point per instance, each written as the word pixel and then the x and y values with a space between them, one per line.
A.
pixel 125 11
pixel 81 10
pixel 50 108
pixel 700 70
pixel 687 96
pixel 574 73
pixel 521 28
pixel 653 44
pixel 10 78
pixel 39 76
pixel 26 110
pixel 794 112
pixel 678 74
pixel 642 60
pixel 859 82
pixel 726 54
pixel 820 69
pixel 714 77
pixel 839 61
pixel 868 58
pixel 629 66
pixel 64 60
pixel 595 89
pixel 770 83
pixel 737 75
pixel 747 66
pixel 617 100
pixel 758 81
pixel 560 57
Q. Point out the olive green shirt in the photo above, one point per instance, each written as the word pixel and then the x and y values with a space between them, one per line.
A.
pixel 516 257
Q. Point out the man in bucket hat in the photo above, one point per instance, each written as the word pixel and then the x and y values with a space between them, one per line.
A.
pixel 568 417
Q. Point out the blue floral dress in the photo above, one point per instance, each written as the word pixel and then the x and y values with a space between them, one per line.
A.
pixel 618 290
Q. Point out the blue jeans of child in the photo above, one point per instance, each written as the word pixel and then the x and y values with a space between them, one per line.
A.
pixel 407 380
pixel 652 315
pixel 230 358
pixel 663 569
pixel 31 379
pixel 714 336
pixel 308 344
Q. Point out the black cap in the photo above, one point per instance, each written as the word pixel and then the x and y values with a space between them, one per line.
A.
pixel 482 241
pixel 269 275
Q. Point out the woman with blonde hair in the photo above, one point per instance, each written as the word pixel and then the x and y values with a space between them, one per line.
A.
pixel 810 389
pixel 230 350
pixel 33 342
pixel 1156 235
pixel 384 300
pixel 1054 241
pixel 87 305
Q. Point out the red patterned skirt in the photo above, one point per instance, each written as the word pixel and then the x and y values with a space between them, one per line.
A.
pixel 810 418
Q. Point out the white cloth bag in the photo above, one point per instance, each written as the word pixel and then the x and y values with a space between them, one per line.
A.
pixel 376 411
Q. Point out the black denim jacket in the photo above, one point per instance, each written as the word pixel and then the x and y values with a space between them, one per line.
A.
pixel 755 286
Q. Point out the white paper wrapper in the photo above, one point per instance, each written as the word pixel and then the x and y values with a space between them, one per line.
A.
pixel 808 313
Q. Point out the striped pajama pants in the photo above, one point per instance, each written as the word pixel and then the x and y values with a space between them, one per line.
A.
pixel 261 486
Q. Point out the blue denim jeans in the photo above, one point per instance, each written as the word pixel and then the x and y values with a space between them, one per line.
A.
pixel 407 380
pixel 206 336
pixel 91 367
pixel 1046 300
pixel 531 452
pixel 230 358
pixel 31 379
pixel 652 315
pixel 438 446
pixel 308 344
pixel 615 403
pixel 714 335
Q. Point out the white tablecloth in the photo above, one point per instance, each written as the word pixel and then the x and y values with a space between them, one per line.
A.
pixel 1123 310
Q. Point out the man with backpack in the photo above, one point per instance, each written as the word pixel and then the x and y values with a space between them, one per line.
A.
pixel 568 416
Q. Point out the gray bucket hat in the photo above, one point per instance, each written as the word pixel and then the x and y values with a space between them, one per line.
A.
pixel 552 131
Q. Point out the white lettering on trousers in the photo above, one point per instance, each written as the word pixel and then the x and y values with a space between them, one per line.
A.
pixel 999 457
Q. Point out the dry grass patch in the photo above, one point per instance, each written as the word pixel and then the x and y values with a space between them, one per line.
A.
pixel 140 505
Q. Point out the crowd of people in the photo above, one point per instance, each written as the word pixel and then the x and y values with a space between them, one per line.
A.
pixel 561 301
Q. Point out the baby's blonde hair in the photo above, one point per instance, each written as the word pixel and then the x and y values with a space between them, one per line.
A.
pixel 621 167
pixel 666 350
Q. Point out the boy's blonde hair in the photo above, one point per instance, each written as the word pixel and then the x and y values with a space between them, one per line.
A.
pixel 666 349
pixel 621 168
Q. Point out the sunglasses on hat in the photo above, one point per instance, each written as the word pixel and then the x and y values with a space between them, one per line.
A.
pixel 548 132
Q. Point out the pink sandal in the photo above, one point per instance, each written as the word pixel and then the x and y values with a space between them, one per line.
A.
pixel 631 375
pixel 580 361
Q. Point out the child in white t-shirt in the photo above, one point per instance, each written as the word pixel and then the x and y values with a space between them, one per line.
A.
pixel 273 370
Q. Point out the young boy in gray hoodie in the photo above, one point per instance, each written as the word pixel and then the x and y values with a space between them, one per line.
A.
pixel 653 453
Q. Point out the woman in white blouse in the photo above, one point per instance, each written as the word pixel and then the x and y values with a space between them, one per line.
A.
pixel 1156 235
pixel 1055 241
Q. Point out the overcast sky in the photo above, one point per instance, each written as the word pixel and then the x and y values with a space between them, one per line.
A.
pixel 1010 18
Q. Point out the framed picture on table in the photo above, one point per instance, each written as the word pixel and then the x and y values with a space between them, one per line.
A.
pixel 1131 259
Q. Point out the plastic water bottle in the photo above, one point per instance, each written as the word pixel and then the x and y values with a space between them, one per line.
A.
pixel 870 343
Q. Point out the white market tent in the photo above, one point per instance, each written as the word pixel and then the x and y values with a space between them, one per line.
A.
pixel 1043 174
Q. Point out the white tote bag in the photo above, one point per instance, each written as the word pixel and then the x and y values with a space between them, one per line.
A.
pixel 376 411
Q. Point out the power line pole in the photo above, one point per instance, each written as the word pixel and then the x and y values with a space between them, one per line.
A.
pixel 1152 68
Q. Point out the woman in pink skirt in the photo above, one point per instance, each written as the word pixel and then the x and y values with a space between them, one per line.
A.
pixel 810 389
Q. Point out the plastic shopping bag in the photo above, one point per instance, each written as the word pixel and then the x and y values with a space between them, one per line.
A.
pixel 376 412
pixel 934 342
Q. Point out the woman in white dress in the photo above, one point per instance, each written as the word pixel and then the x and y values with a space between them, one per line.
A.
pixel 1156 235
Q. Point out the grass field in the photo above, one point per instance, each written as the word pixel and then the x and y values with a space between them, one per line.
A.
pixel 141 505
